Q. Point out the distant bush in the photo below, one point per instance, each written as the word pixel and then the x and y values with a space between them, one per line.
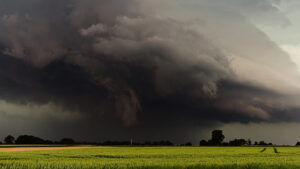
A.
pixel 67 141
pixel 49 142
pixel 262 143
pixel 9 139
pixel 188 144
pixel 238 142
pixel 26 139
pixel 203 143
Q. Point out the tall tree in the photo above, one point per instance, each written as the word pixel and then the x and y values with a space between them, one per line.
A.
pixel 217 137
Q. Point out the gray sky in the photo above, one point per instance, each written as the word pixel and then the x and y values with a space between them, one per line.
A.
pixel 150 69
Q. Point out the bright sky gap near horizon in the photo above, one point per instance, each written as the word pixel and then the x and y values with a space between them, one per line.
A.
pixel 150 69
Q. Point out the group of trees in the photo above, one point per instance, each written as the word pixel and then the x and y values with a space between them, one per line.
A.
pixel 28 139
pixel 217 139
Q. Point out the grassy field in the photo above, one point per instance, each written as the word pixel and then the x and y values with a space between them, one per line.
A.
pixel 156 157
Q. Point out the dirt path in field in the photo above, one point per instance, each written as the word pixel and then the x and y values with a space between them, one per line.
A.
pixel 14 149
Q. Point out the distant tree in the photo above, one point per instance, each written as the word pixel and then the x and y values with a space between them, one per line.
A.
pixel 217 137
pixel 249 142
pixel 203 143
pixel 298 143
pixel 263 143
pixel 210 143
pixel 147 143
pixel 225 144
pixel 167 143
pixel 49 142
pixel 188 144
pixel 238 142
pixel 67 141
pixel 256 143
pixel 27 139
pixel 9 139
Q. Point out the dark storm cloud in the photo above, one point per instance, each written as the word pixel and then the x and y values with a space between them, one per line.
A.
pixel 143 63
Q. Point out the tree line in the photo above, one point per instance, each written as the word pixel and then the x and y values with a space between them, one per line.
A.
pixel 29 139
pixel 217 139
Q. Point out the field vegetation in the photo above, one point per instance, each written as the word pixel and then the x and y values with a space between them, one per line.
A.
pixel 156 157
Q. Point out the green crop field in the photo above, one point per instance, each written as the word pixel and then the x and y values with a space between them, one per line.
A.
pixel 156 157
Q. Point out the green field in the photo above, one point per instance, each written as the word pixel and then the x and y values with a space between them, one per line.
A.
pixel 155 157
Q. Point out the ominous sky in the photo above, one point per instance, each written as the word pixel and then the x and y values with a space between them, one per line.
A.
pixel 150 69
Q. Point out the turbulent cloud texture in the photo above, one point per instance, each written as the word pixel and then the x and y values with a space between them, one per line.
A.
pixel 146 64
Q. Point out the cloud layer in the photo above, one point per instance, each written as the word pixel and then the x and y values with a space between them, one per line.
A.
pixel 145 64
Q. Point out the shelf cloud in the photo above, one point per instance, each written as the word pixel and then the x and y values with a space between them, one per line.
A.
pixel 131 66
